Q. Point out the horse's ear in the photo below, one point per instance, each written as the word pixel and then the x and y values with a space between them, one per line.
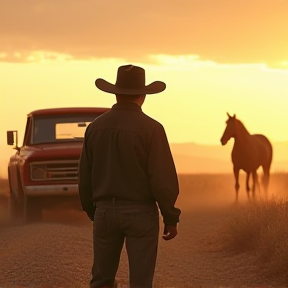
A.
pixel 234 116
pixel 228 115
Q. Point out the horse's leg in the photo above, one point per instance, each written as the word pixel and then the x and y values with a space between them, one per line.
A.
pixel 258 184
pixel 237 186
pixel 266 179
pixel 247 184
pixel 255 182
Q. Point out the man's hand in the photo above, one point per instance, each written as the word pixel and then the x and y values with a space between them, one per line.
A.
pixel 169 232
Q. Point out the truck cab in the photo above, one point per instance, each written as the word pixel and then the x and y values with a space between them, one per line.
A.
pixel 43 172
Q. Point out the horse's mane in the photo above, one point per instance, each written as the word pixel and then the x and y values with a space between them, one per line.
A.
pixel 243 128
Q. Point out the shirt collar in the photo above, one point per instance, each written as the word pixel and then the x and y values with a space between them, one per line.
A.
pixel 127 106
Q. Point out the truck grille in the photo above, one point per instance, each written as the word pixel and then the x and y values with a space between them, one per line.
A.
pixel 54 170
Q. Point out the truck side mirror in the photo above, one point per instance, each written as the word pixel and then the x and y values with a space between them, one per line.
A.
pixel 10 138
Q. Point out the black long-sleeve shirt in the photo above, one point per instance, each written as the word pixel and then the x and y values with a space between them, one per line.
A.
pixel 126 155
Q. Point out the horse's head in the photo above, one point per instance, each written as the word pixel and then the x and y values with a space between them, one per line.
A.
pixel 230 130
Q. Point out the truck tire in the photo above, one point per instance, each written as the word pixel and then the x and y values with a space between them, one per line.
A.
pixel 16 207
pixel 16 203
pixel 33 211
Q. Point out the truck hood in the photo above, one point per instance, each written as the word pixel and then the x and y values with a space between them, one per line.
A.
pixel 53 151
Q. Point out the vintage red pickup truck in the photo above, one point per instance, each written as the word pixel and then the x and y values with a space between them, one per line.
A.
pixel 43 172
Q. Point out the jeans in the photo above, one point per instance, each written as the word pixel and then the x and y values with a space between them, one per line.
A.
pixel 138 226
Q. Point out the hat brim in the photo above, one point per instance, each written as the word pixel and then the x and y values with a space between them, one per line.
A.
pixel 153 88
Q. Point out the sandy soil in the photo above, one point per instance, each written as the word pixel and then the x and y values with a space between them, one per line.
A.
pixel 58 252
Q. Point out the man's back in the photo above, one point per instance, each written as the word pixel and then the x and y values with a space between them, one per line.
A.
pixel 121 141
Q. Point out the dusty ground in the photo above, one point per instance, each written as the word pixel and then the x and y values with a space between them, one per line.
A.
pixel 57 252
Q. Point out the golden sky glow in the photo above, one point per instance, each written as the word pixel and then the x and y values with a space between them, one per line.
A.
pixel 225 31
pixel 215 56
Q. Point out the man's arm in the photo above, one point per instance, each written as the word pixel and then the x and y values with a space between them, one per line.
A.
pixel 163 176
pixel 85 183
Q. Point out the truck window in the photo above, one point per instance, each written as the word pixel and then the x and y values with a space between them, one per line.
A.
pixel 60 128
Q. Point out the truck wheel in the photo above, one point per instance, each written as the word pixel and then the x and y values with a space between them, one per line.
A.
pixel 16 207
pixel 16 201
pixel 33 212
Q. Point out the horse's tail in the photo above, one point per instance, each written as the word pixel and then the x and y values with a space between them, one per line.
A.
pixel 266 165
pixel 266 170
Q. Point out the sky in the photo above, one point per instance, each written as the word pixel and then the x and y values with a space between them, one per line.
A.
pixel 215 56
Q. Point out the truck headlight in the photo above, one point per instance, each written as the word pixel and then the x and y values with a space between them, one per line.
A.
pixel 38 172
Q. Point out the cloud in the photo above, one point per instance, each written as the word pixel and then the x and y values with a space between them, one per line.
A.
pixel 223 31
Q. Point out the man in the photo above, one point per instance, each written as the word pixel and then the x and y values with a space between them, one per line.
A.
pixel 126 167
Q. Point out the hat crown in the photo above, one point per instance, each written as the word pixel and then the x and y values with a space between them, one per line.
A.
pixel 130 76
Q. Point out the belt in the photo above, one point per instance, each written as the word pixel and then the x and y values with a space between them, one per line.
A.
pixel 122 201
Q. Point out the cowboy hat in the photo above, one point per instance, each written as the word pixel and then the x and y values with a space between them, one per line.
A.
pixel 130 81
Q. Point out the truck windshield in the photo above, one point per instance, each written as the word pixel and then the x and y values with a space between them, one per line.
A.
pixel 60 128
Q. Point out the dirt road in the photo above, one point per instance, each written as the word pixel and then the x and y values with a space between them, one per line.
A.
pixel 57 253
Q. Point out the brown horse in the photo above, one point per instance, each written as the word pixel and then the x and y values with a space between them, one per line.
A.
pixel 249 153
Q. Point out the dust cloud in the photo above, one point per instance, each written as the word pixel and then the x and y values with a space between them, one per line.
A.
pixel 198 192
pixel 3 170
pixel 208 191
